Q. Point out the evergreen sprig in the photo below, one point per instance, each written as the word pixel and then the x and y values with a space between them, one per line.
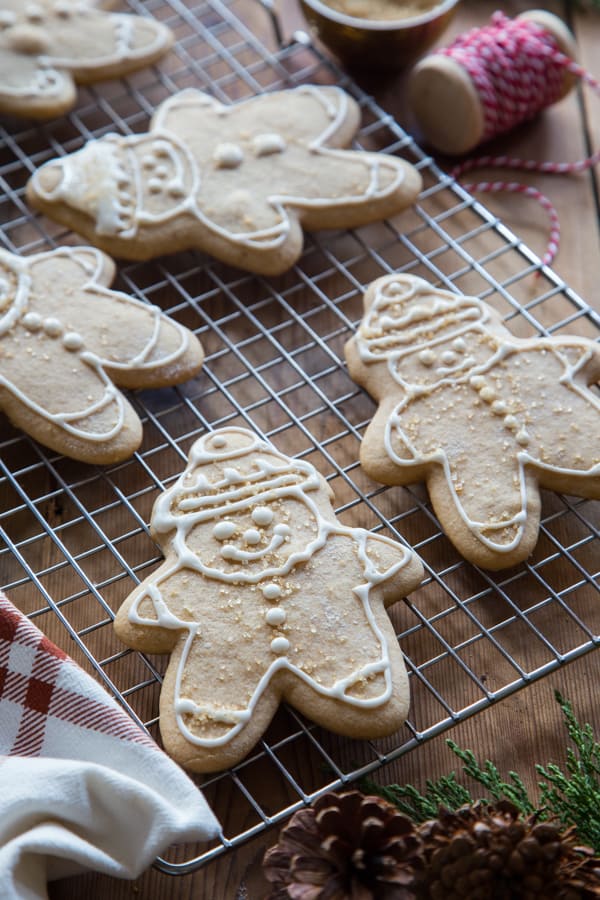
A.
pixel 572 797
pixel 446 791
pixel 489 776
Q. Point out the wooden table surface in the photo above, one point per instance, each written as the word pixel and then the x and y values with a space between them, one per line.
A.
pixel 526 727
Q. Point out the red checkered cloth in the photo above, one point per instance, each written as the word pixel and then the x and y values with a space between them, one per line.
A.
pixel 81 786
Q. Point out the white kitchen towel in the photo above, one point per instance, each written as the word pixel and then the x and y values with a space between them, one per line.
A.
pixel 81 785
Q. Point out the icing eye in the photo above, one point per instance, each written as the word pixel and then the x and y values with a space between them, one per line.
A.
pixel 427 357
pixel 228 156
pixel 262 515
pixel 223 531
pixel 460 345
pixel 449 357
pixel 252 536
pixel 7 18
pixel 34 13
pixel 267 144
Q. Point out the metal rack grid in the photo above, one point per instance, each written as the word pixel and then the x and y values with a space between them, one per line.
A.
pixel 76 537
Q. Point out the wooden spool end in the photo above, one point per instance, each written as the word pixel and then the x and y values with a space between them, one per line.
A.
pixel 445 100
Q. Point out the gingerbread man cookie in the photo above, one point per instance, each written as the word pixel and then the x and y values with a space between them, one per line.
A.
pixel 486 419
pixel 264 596
pixel 66 340
pixel 47 46
pixel 239 182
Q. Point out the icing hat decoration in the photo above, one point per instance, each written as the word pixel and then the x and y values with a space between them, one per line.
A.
pixel 67 341
pixel 406 316
pixel 47 46
pixel 255 473
pixel 238 181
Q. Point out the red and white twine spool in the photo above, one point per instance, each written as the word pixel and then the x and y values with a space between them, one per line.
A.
pixel 488 81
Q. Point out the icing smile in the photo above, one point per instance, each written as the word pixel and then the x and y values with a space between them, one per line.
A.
pixel 230 551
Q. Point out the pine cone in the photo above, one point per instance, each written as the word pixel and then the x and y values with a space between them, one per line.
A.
pixel 485 852
pixel 345 847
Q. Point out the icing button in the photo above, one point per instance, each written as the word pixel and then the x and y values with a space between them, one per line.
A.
pixel 280 645
pixel 499 407
pixel 276 616
pixel 511 423
pixel 72 341
pixel 32 321
pixel 477 382
pixel 52 327
pixel 487 394
pixel 7 18
pixel 271 591
pixel 219 441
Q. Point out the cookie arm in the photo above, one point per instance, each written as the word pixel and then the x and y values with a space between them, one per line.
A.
pixel 354 188
pixel 399 568
pixel 134 342
pixel 580 356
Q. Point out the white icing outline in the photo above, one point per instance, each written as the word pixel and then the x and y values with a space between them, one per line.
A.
pixel 164 521
pixel 506 346
pixel 111 394
pixel 266 238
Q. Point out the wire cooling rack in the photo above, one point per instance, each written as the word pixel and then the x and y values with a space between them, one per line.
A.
pixel 76 537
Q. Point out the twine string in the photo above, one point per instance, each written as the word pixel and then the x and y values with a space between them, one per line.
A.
pixel 518 70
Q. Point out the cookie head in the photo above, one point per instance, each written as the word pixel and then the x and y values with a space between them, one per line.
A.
pixel 426 335
pixel 241 513
pixel 257 541
pixel 116 185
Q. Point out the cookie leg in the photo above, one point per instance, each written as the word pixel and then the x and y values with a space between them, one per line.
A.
pixel 216 700
pixel 68 405
pixel 488 506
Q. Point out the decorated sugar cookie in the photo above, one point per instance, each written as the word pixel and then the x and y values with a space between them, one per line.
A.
pixel 47 46
pixel 486 419
pixel 67 341
pixel 238 181
pixel 264 596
